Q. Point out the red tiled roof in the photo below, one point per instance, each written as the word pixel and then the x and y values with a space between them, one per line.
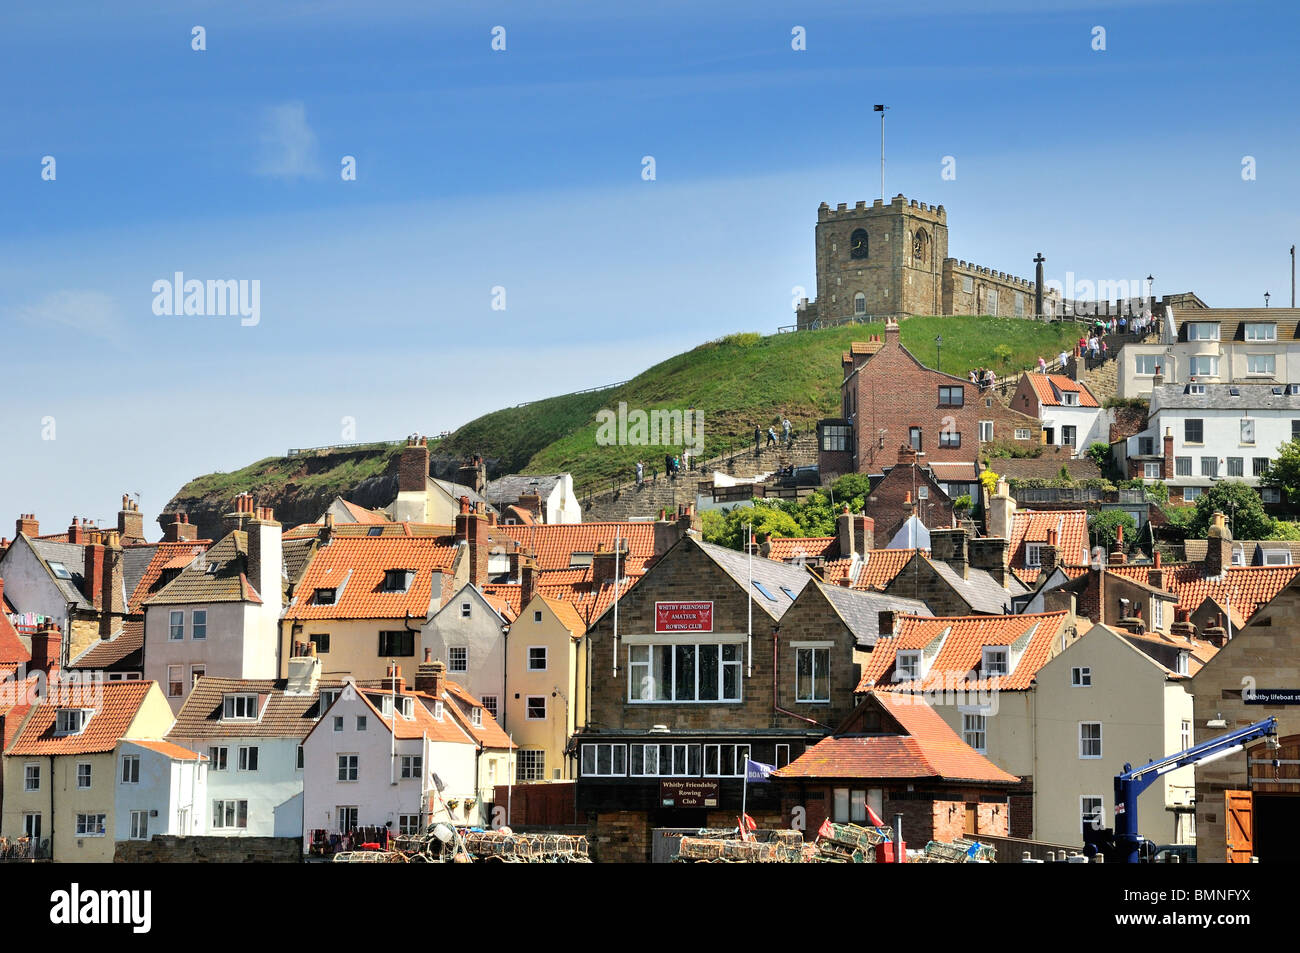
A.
pixel 1042 384
pixel 361 514
pixel 567 615
pixel 175 752
pixel 786 549
pixel 1198 652
pixel 1248 587
pixel 489 733
pixel 166 555
pixel 929 748
pixel 355 567
pixel 1031 526
pixel 554 543
pixel 105 653
pixel 881 568
pixel 520 515
pixel 961 652
pixel 587 599
pixel 11 647
pixel 305 530
pixel 116 709
pixel 422 724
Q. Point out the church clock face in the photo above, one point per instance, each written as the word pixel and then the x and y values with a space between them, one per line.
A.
pixel 858 243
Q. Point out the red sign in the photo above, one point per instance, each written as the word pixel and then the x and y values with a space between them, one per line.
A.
pixel 683 616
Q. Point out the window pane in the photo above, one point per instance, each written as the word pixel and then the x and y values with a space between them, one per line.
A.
pixel 858 807
pixel 711 759
pixel 709 672
pixel 662 672
pixel 604 759
pixel 685 684
pixel 588 759
pixel 841 808
pixel 803 674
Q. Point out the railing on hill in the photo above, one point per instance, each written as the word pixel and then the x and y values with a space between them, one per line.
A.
pixel 298 451
pixel 589 390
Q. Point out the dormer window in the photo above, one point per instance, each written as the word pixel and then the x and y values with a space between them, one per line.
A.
pixel 1069 398
pixel 1196 388
pixel 375 531
pixel 437 710
pixel 1277 557
pixel 71 721
pixel 995 661
pixel 476 717
pixel 398 580
pixel 1261 331
pixel 1182 663
pixel 907 666
pixel 405 705
pixel 326 597
pixel 241 707
pixel 580 559
pixel 1033 555
pixel 1203 331
pixel 328 697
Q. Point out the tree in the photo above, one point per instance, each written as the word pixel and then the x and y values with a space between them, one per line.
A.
pixel 1099 453
pixel 1240 504
pixel 1283 529
pixel 728 528
pixel 1103 526
pixel 851 490
pixel 1284 472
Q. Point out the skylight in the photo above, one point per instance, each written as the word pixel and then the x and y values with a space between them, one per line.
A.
pixel 60 571
pixel 786 590
pixel 761 588
pixel 375 531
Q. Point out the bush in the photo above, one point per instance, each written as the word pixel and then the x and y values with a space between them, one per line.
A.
pixel 1104 524
pixel 962 502
pixel 1099 453
pixel 1240 504
pixel 1135 402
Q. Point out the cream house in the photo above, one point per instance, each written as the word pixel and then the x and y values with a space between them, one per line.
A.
pixel 548 694
pixel 89 767
pixel 1101 703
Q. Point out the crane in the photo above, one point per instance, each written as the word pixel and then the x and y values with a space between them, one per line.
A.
pixel 1133 781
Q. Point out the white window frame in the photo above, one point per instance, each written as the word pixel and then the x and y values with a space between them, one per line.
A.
pixel 88 775
pixel 1081 676
pixel 640 671
pixel 248 757
pixel 995 651
pixel 139 825
pixel 1097 814
pixel 1024 433
pixel 1253 328
pixel 349 764
pixel 466 609
pixel 1185 734
pixel 32 822
pixel 198 628
pixel 975 730
pixel 678 755
pixel 229 807
pixel 739 755
pixel 176 682
pixel 1182 664
pixel 545 658
pixel 1202 331
pixel 176 625
pixel 1254 360
pixel 801 650
pixel 91 825
pixel 218 757
pixel 1157 613
pixel 536 764
pixel 1083 756
pixel 240 706
pixel 909 665
pixel 411 766
pixel 458 653
pixel 986 431
pixel 1151 470
pixel 130 769
pixel 591 758
pixel 408 823
pixel 1033 555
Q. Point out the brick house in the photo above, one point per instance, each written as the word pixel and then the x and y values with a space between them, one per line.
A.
pixel 895 755
pixel 687 688
pixel 909 489
pixel 890 400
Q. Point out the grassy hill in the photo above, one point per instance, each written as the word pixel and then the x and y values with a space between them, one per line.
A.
pixel 736 383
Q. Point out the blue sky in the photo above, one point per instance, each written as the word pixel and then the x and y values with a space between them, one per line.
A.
pixel 522 169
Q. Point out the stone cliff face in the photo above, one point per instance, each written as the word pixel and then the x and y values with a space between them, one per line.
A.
pixel 299 488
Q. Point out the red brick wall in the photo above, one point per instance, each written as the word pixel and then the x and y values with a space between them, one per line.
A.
pixel 894 392
pixel 887 506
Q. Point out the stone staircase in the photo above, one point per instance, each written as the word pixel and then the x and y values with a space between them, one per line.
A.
pixel 644 502
pixel 1102 380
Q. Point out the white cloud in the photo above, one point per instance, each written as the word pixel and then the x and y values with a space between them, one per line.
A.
pixel 88 312
pixel 288 143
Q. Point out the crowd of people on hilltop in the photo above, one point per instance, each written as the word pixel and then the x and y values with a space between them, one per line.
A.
pixel 982 378
pixel 1093 343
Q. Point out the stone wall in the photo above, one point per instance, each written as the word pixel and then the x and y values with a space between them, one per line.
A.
pixel 991 292
pixel 169 849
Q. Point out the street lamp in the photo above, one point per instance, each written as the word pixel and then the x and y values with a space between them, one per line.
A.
pixel 1266 297
pixel 938 345
pixel 1151 292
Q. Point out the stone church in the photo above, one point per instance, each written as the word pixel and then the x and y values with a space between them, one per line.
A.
pixel 892 261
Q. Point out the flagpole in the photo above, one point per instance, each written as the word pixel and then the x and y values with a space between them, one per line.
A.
pixel 617 543
pixel 744 798
pixel 749 638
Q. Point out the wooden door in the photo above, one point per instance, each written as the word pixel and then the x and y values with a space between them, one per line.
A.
pixel 971 823
pixel 1239 826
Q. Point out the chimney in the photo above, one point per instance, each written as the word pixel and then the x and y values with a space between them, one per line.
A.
pixel 906 455
pixel 1159 377
pixel 991 554
pixel 473 474
pixel 765 548
pixel 326 532
pixel 180 529
pixel 92 577
pixel 1117 557
pixel 1218 547
pixel 27 523
pixel 845 530
pixel 527 579
pixel 393 679
pixel 112 585
pixel 1167 461
pixel 413 468
pixel 239 515
pixel 1216 634
pixel 130 522
pixel 1156 575
pixel 949 546
pixel 47 644
pixel 532 502
pixel 1182 624
pixel 846 582
pixel 891 331
pixel 887 623
pixel 1002 511
pixel 303 673
pixel 864 534
pixel 472 528
pixel 602 564
pixel 1050 554
pixel 265 557
pixel 430 675
pixel 79 532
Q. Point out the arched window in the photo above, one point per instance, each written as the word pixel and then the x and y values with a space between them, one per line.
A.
pixel 921 247
pixel 859 303
pixel 858 243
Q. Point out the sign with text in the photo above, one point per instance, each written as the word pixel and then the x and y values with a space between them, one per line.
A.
pixel 1272 696
pixel 688 793
pixel 683 616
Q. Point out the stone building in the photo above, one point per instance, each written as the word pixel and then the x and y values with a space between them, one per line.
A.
pixel 892 260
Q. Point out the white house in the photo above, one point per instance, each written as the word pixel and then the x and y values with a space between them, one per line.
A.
pixel 370 763
pixel 1070 413
pixel 161 789
pixel 220 616
pixel 548 497
pixel 1198 433
pixel 1219 345
pixel 251 731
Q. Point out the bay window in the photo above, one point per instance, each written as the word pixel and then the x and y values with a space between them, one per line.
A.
pixel 684 673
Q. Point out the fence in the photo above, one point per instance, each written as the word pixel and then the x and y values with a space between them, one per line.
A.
pixel 297 451
pixel 589 390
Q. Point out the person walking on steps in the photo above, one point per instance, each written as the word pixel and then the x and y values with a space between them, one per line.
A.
pixel 771 437
pixel 640 473
pixel 785 425
pixel 758 436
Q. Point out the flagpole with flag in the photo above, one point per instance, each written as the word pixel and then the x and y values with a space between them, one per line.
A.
pixel 749 638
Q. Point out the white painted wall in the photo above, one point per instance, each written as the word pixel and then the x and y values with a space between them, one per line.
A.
pixel 562 505
pixel 239 644
pixel 28 585
pixel 1087 422
pixel 273 791
pixel 167 786
pixel 1222 439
